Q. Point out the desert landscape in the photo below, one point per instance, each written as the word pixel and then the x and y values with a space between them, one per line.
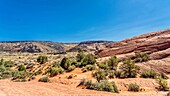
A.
pixel 135 66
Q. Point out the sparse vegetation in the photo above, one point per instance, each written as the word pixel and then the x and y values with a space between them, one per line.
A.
pixel 141 57
pixel 21 68
pixel 42 59
pixel 128 69
pixel 99 75
pixel 44 79
pixel 55 71
pixel 163 85
pixel 134 87
pixel 100 86
pixel 149 74
pixel 88 68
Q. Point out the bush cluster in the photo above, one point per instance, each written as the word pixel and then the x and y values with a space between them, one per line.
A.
pixel 141 57
pixel 149 74
pixel 88 68
pixel 128 69
pixel 100 86
pixel 134 87
pixel 55 71
pixel 163 85
pixel 42 59
pixel 44 79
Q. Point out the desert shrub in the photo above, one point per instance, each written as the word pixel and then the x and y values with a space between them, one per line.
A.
pixel 56 64
pixel 103 65
pixel 21 68
pixel 44 79
pixel 113 62
pixel 65 63
pixel 71 76
pixel 96 56
pixel 18 75
pixel 100 86
pixel 42 59
pixel 80 56
pixel 71 68
pixel 163 85
pixel 128 69
pixel 88 60
pixel 88 68
pixel 55 71
pixel 149 74
pixel 78 64
pixel 38 72
pixel 106 86
pixel 111 73
pixel 134 87
pixel 2 62
pixel 141 57
pixel 8 63
pixel 99 75
pixel 2 68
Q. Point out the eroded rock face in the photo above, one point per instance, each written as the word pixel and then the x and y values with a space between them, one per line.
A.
pixel 89 46
pixel 31 46
pixel 149 43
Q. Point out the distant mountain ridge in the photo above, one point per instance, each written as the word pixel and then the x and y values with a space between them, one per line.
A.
pixel 91 46
pixel 33 46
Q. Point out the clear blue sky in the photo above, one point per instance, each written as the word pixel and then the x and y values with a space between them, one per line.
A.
pixel 81 20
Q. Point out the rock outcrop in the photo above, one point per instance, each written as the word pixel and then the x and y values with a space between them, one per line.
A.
pixel 89 46
pixel 31 46
pixel 151 43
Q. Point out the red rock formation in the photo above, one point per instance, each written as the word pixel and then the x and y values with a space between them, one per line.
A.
pixel 149 43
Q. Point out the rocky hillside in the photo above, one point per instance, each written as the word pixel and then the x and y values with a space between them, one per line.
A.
pixel 151 43
pixel 31 46
pixel 90 46
pixel 155 44
pixel 50 47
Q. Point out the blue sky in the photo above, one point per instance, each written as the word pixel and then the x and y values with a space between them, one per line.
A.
pixel 81 20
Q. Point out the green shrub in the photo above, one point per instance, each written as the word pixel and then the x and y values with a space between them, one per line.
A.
pixel 88 68
pixel 99 75
pixel 71 76
pixel 100 86
pixel 8 63
pixel 141 57
pixel 21 68
pixel 113 62
pixel 18 75
pixel 163 85
pixel 38 72
pixel 103 65
pixel 55 71
pixel 88 60
pixel 44 79
pixel 111 74
pixel 128 69
pixel 149 74
pixel 71 68
pixel 134 87
pixel 65 63
pixel 106 86
pixel 80 56
pixel 42 59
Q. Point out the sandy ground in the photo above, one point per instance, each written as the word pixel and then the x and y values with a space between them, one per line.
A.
pixel 8 88
pixel 61 86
